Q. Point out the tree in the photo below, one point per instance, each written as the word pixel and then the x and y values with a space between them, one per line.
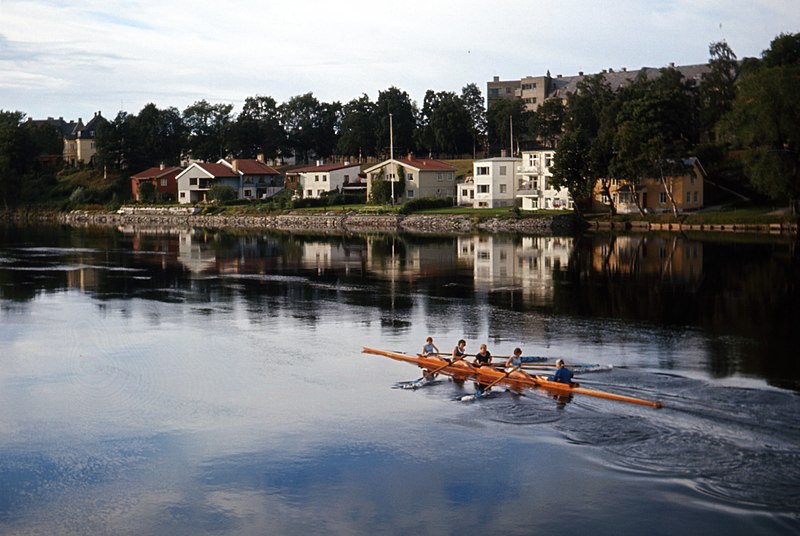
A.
pixel 473 101
pixel 222 193
pixel 547 122
pixel 501 116
pixel 404 121
pixel 717 87
pixel 14 146
pixel 258 129
pixel 311 126
pixel 445 124
pixel 207 129
pixel 655 129
pixel 765 122
pixel 586 149
pixel 114 142
pixel 359 126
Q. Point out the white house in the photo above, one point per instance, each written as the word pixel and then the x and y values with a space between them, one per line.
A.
pixel 320 178
pixel 534 182
pixel 494 180
pixel 195 181
pixel 414 178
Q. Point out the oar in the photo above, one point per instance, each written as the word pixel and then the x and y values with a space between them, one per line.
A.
pixel 598 394
pixel 504 376
pixel 432 372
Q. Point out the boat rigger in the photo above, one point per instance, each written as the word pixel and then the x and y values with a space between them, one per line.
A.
pixel 488 375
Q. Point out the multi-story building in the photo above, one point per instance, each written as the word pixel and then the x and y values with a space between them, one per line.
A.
pixel 534 187
pixel 534 90
pixel 195 182
pixel 258 180
pixel 494 180
pixel 79 143
pixel 164 181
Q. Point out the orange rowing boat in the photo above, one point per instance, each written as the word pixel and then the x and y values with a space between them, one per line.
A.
pixel 488 375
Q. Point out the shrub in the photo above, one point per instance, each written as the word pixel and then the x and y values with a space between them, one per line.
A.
pixel 425 203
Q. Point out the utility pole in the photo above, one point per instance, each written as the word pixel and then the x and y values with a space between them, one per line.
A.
pixel 391 153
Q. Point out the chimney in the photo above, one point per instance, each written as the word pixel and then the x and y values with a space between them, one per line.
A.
pixel 496 79
pixel 319 162
pixel 624 69
pixel 502 153
pixel 610 69
pixel 260 157
pixel 236 166
pixel 559 76
pixel 580 73
pixel 161 167
pixel 410 156
pixel 672 64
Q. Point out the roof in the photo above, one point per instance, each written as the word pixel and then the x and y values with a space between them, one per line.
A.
pixel 214 170
pixel 500 159
pixel 156 172
pixel 249 166
pixel 323 168
pixel 422 165
pixel 90 129
pixel 64 127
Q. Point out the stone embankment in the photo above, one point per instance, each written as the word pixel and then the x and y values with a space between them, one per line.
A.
pixel 644 226
pixel 327 222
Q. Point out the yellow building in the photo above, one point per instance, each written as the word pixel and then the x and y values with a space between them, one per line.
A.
pixel 686 191
pixel 79 144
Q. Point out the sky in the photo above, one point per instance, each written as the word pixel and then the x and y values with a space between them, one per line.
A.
pixel 70 59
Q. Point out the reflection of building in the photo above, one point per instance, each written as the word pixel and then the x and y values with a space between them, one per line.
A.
pixel 194 252
pixel 394 258
pixel 525 265
pixel 334 255
pixel 649 254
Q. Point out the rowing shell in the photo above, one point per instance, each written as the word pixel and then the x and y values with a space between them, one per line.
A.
pixel 518 379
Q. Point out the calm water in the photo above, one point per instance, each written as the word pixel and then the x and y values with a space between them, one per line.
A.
pixel 195 382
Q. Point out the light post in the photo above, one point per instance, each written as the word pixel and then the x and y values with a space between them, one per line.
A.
pixel 391 154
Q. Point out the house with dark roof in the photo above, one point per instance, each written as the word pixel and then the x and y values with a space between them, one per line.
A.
pixel 79 142
pixel 321 178
pixel 258 180
pixel 413 178
pixel 163 178
pixel 195 181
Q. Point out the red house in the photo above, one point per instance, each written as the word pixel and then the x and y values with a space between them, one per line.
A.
pixel 163 178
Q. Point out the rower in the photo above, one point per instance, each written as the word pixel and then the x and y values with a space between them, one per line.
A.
pixel 460 350
pixel 562 374
pixel 515 360
pixel 483 357
pixel 429 348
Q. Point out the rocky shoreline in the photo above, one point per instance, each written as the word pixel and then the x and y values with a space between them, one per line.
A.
pixel 331 222
pixel 354 222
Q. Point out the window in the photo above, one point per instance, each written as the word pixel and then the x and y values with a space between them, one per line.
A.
pixel 482 204
pixel 410 194
pixel 347 178
pixel 483 188
pixel 316 178
pixel 163 182
pixel 503 170
pixel 696 197
pixel 548 160
pixel 324 178
pixel 192 182
pixel 692 179
pixel 248 193
pixel 183 195
pixel 508 90
pixel 494 92
pixel 502 188
pixel 688 197
pixel 482 170
pixel 662 197
pixel 309 193
pixel 410 176
pixel 439 177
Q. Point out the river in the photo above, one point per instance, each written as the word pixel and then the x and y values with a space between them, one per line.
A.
pixel 186 381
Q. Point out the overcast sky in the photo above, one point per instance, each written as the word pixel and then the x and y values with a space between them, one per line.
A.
pixel 65 58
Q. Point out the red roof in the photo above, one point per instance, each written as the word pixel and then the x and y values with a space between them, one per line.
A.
pixel 324 168
pixel 255 167
pixel 156 172
pixel 216 170
pixel 429 165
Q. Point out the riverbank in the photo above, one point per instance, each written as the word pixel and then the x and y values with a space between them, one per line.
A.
pixel 360 222
pixel 320 222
